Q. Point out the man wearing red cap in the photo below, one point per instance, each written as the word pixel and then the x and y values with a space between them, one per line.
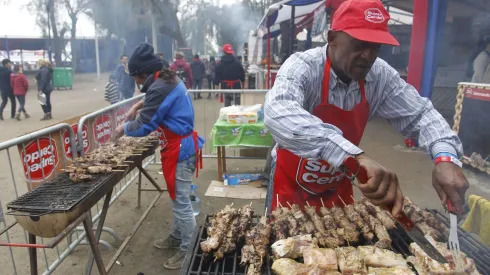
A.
pixel 320 105
pixel 230 74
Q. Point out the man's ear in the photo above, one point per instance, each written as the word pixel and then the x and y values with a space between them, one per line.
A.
pixel 331 37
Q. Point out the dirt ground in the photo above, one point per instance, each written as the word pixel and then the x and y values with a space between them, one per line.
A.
pixel 380 141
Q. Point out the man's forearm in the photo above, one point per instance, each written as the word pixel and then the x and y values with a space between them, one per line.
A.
pixel 138 105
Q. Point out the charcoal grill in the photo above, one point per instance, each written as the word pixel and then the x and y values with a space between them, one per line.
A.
pixel 61 197
pixel 196 263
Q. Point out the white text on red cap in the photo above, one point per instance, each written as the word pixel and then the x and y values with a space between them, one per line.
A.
pixel 374 15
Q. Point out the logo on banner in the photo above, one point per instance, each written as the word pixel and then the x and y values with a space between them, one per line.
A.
pixel 264 132
pixel 103 129
pixel 249 133
pixel 120 116
pixel 40 158
pixel 235 132
pixel 374 15
pixel 477 93
pixel 66 140
pixel 317 176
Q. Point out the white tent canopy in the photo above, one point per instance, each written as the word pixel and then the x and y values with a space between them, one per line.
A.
pixel 280 12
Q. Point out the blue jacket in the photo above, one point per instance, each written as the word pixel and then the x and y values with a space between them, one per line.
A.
pixel 123 80
pixel 167 105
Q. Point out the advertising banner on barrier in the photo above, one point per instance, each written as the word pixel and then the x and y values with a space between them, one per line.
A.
pixel 47 156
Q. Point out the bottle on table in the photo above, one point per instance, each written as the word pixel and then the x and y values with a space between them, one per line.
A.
pixel 195 200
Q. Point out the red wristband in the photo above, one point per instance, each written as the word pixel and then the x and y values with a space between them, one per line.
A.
pixel 448 159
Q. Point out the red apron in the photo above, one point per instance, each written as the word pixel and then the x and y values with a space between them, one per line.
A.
pixel 170 149
pixel 297 180
pixel 229 86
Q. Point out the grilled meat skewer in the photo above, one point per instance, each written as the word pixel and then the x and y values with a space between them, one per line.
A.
pixel 384 240
pixel 324 237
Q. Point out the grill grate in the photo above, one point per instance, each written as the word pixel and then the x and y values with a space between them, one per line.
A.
pixel 59 195
pixel 196 263
pixel 62 195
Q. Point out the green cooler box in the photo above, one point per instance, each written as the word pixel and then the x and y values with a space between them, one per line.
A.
pixel 62 78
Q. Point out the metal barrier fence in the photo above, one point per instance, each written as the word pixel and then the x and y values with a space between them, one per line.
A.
pixel 206 114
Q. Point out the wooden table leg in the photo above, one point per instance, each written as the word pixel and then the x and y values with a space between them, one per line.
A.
pixel 223 158
pixel 220 163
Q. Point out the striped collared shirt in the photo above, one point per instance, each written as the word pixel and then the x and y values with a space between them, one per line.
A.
pixel 297 91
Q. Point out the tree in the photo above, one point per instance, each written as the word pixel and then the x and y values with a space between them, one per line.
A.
pixel 47 18
pixel 75 8
pixel 169 9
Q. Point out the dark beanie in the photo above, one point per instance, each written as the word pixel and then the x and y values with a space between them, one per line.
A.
pixel 144 61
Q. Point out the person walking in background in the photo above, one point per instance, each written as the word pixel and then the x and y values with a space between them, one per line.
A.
pixel 182 69
pixel 481 64
pixel 230 74
pixel 44 79
pixel 198 73
pixel 210 73
pixel 5 88
pixel 124 81
pixel 19 84
pixel 164 62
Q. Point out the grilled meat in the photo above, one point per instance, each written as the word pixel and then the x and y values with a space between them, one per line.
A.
pixel 326 238
pixel 323 257
pixel 305 225
pixel 218 229
pixel 280 226
pixel 291 267
pixel 293 247
pixel 399 270
pixel 384 240
pixel 430 266
pixel 356 219
pixel 350 260
pixel 229 242
pixel 293 224
pixel 348 230
pixel 382 215
pixel 429 218
pixel 376 257
pixel 257 241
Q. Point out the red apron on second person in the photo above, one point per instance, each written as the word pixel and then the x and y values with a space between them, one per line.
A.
pixel 298 180
pixel 169 153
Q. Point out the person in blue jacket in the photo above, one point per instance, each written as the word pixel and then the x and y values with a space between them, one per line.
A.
pixel 167 109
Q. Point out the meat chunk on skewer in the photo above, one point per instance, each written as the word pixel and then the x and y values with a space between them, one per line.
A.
pixel 383 215
pixel 218 229
pixel 384 239
pixel 305 225
pixel 356 219
pixel 427 217
pixel 325 238
pixel 280 226
pixel 349 232
pixel 257 241
pixel 236 231
pixel 293 224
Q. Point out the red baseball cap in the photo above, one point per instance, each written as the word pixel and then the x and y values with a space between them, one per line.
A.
pixel 228 49
pixel 365 20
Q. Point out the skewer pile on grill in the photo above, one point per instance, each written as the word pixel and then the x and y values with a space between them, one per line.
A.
pixel 336 226
pixel 352 239
pixel 108 157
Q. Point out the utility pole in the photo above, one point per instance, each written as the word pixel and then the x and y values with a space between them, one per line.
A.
pixel 154 31
pixel 97 61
